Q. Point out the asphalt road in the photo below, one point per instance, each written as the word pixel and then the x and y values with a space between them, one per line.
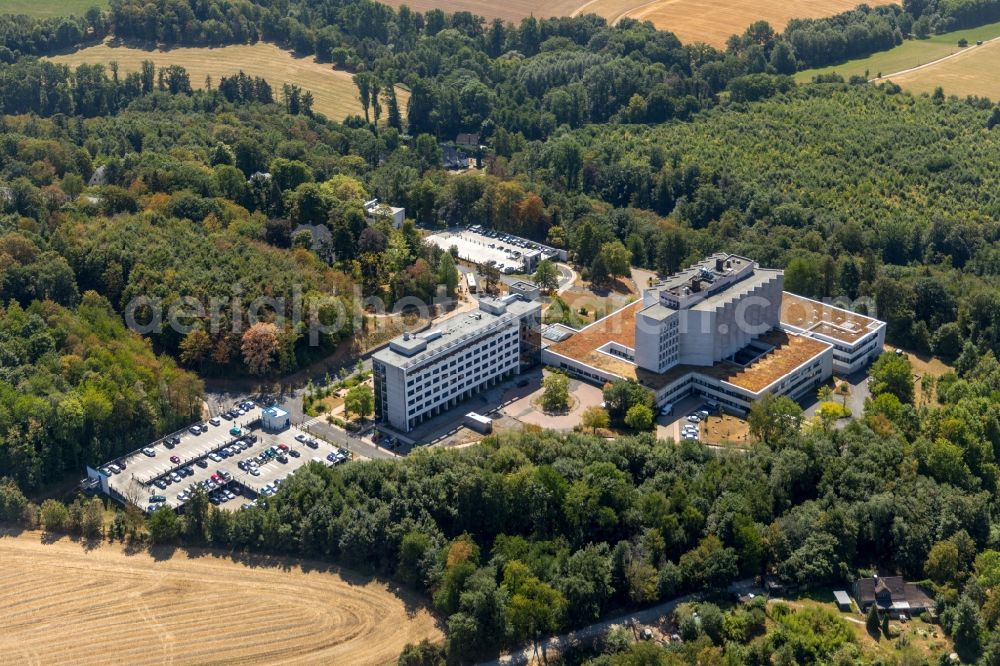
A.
pixel 646 616
pixel 324 430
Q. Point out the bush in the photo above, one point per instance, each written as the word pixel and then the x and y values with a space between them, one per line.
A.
pixel 12 501
pixel 555 397
pixel 164 525
pixel 639 417
pixel 54 515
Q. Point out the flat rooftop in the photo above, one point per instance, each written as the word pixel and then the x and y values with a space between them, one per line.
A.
pixel 825 319
pixel 700 276
pixel 449 332
pixel 788 353
pixel 475 248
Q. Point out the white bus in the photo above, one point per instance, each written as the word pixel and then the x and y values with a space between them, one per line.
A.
pixel 470 278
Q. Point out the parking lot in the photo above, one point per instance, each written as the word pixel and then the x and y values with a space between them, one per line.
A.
pixel 507 252
pixel 218 461
pixel 687 420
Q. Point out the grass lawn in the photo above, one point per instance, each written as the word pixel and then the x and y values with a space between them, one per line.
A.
pixel 49 7
pixel 973 72
pixel 915 635
pixel 911 53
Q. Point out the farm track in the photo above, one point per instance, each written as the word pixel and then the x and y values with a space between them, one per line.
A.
pixel 63 603
pixel 971 71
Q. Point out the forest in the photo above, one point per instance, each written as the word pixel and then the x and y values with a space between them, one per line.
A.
pixel 536 531
pixel 617 143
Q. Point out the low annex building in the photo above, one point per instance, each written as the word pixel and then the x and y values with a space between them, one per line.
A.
pixel 420 376
pixel 723 328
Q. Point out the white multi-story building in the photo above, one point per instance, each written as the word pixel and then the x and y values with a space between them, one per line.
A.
pixel 725 329
pixel 420 376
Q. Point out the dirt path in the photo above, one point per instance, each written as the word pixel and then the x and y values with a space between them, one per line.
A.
pixel 969 49
pixel 553 644
pixel 63 603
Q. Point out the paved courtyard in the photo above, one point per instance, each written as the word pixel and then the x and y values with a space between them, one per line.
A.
pixel 583 395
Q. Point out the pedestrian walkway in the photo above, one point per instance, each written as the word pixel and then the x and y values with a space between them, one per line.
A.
pixel 313 421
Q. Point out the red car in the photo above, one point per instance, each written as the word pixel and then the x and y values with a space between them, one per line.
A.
pixel 216 478
pixel 175 459
pixel 283 447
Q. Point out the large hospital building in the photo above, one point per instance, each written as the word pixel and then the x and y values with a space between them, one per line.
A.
pixel 723 328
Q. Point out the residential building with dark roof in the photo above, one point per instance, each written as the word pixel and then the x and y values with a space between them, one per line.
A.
pixel 892 595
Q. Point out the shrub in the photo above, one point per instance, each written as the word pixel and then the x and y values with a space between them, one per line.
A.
pixel 54 515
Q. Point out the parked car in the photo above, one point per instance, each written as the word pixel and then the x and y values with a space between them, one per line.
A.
pixel 312 444
pixel 214 457
pixel 161 484
pixel 293 453
pixel 106 471
pixel 282 458
pixel 175 460
pixel 168 442
pixel 227 415
pixel 300 437
pixel 254 471
pixel 183 496
pixel 157 498
pixel 195 430
pixel 283 447
pixel 201 462
pixel 694 418
pixel 215 420
pixel 149 452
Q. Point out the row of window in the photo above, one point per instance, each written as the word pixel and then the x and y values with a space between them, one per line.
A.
pixel 470 354
pixel 432 398
pixel 445 388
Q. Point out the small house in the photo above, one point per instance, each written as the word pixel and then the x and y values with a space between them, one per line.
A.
pixel 275 419
pixel 379 211
pixel 843 601
pixel 892 595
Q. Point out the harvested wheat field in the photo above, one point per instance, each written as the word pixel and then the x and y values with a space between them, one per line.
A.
pixel 512 10
pixel 334 91
pixel 713 21
pixel 63 603
pixel 709 21
pixel 973 71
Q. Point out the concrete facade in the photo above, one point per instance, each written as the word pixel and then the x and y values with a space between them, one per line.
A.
pixel 419 377
pixel 724 329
